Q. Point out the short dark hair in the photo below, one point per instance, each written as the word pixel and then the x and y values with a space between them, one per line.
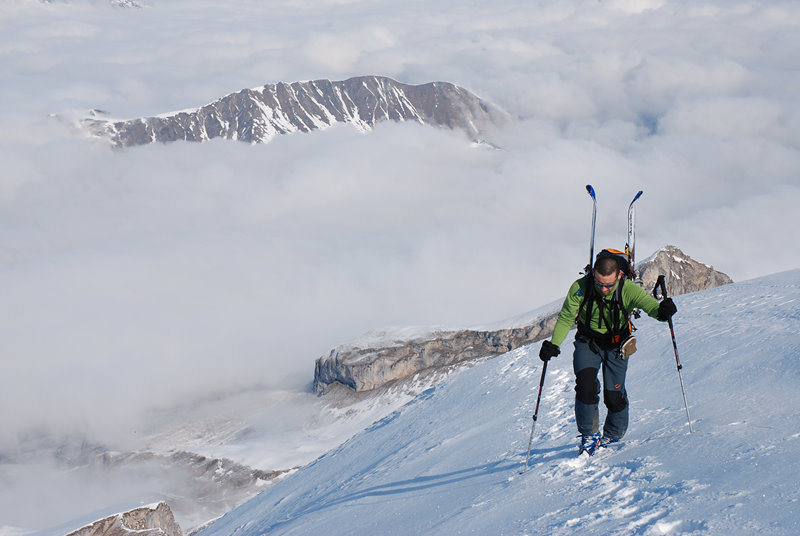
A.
pixel 606 266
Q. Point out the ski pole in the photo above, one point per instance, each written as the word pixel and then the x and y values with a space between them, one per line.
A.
pixel 662 287
pixel 535 415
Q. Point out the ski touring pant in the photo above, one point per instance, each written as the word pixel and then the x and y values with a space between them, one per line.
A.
pixel 587 361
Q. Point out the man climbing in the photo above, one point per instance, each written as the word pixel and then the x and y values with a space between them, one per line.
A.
pixel 601 302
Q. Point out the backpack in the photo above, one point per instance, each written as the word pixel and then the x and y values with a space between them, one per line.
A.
pixel 621 329
pixel 622 261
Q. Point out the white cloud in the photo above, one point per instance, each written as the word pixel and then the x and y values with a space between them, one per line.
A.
pixel 728 117
pixel 339 53
pixel 633 6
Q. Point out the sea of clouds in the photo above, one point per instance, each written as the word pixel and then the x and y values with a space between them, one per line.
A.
pixel 135 279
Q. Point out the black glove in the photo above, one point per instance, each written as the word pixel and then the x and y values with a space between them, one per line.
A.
pixel 666 309
pixel 548 351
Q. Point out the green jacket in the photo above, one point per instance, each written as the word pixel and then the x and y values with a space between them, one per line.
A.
pixel 633 297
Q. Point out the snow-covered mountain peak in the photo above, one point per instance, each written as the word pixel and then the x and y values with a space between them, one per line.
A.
pixel 259 114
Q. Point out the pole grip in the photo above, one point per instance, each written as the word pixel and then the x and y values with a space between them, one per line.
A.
pixel 541 386
pixel 660 288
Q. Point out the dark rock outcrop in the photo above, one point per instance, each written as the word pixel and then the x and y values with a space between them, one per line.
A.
pixel 153 520
pixel 365 368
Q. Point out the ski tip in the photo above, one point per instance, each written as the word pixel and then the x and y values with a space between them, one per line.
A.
pixel 638 195
pixel 590 190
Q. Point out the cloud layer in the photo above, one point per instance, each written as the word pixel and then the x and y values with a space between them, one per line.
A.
pixel 133 279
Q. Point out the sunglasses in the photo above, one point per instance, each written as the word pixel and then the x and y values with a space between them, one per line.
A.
pixel 605 285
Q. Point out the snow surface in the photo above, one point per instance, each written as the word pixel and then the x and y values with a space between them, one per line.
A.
pixel 448 462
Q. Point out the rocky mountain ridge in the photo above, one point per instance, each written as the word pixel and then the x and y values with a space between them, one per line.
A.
pixel 683 274
pixel 375 361
pixel 258 115
pixel 152 520
pixel 210 484
pixel 196 489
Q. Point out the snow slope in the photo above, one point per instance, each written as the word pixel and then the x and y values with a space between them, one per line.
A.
pixel 448 461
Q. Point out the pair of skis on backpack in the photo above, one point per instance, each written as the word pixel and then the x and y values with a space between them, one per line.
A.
pixel 630 246
pixel 626 260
